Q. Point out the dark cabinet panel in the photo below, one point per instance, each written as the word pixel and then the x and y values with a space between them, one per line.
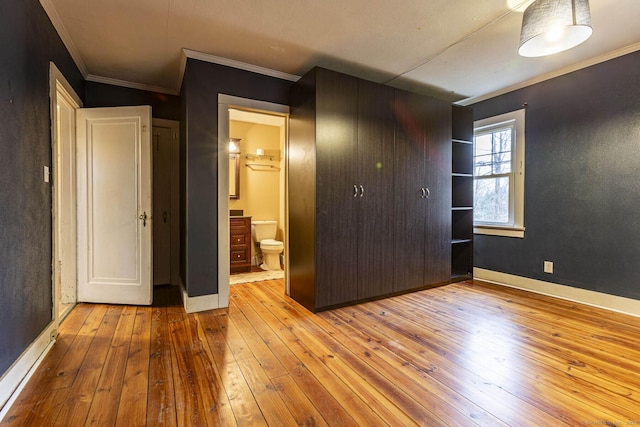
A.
pixel 423 191
pixel 375 200
pixel 336 174
pixel 410 202
pixel 438 164
pixel 302 191
pixel 240 244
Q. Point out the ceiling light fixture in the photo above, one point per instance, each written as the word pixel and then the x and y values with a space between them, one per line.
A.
pixel 552 26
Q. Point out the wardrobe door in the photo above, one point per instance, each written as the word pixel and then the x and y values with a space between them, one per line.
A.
pixel 375 199
pixel 336 175
pixel 437 261
pixel 410 178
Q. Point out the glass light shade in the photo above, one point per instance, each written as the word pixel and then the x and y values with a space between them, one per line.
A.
pixel 234 145
pixel 552 26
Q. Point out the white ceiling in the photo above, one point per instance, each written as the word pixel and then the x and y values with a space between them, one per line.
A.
pixel 459 49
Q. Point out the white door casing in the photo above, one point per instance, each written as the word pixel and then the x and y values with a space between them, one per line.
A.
pixel 64 102
pixel 114 205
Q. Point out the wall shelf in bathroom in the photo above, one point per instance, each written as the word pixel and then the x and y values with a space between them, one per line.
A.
pixel 267 156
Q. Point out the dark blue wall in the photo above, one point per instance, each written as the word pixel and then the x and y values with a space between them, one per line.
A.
pixel 582 182
pixel 201 85
pixel 28 42
pixel 163 106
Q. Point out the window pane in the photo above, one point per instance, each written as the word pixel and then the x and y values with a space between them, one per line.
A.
pixel 492 152
pixel 491 202
pixel 502 151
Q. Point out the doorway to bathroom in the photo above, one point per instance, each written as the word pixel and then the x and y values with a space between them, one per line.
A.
pixel 257 195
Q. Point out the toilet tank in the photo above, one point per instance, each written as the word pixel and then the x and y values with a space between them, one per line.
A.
pixel 261 230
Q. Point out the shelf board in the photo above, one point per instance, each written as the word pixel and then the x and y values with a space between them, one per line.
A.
pixel 261 157
pixel 462 208
pixel 456 241
pixel 462 141
pixel 464 175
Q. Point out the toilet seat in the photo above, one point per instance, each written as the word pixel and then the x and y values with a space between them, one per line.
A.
pixel 271 244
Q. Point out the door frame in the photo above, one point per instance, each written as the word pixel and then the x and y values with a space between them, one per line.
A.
pixel 224 103
pixel 59 86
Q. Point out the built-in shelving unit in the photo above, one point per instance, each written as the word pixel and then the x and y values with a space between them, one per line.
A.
pixel 462 194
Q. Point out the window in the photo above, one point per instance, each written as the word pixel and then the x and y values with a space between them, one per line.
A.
pixel 498 172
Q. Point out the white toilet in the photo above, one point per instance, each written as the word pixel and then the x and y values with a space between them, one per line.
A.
pixel 263 234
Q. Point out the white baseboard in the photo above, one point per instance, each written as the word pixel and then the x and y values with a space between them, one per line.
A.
pixel 201 303
pixel 595 299
pixel 17 376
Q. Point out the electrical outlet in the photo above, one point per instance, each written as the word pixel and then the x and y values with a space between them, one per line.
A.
pixel 46 174
pixel 548 267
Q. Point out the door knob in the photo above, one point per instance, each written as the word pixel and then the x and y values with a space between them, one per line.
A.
pixel 143 217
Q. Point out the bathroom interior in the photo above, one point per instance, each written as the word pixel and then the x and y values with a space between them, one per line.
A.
pixel 257 191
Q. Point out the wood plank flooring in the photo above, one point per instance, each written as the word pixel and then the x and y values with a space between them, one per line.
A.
pixel 464 354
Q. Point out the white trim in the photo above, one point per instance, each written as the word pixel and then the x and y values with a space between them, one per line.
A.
pixel 51 11
pixel 201 303
pixel 595 299
pixel 59 86
pixel 56 75
pixel 183 68
pixel 515 228
pixel 224 103
pixel 17 376
pixel 557 73
pixel 223 200
pixel 132 85
pixel 500 231
pixel 193 54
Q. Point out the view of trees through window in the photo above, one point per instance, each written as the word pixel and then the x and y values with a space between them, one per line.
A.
pixel 493 176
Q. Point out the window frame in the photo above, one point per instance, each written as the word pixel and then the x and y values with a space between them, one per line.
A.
pixel 515 227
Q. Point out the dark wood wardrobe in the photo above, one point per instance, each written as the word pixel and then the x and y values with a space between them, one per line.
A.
pixel 369 190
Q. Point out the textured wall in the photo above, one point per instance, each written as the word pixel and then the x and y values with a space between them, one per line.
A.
pixel 103 95
pixel 201 85
pixel 28 42
pixel 582 183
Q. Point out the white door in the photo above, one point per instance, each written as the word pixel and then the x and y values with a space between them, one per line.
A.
pixel 114 205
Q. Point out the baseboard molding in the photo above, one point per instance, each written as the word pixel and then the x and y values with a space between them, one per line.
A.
pixel 201 303
pixel 16 377
pixel 595 299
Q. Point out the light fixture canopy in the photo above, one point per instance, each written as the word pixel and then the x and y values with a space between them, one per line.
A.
pixel 552 26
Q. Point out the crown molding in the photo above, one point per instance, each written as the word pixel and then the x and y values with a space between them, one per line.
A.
pixel 132 85
pixel 566 70
pixel 51 11
pixel 193 54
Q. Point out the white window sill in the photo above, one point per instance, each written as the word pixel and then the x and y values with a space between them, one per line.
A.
pixel 499 231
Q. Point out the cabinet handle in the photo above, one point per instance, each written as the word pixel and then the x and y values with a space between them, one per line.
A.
pixel 355 191
pixel 361 190
pixel 422 193
pixel 427 193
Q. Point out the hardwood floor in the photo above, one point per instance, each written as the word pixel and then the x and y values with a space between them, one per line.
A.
pixel 463 354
